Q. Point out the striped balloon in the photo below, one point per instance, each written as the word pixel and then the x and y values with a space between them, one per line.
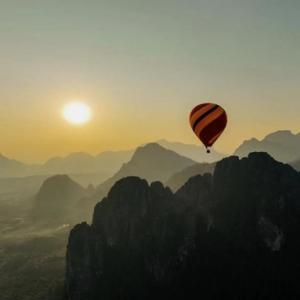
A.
pixel 208 121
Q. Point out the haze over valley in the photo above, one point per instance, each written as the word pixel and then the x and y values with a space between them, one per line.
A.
pixel 39 211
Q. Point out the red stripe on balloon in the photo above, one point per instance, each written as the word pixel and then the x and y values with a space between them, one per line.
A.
pixel 212 129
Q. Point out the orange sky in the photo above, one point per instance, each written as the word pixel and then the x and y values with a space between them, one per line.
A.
pixel 141 67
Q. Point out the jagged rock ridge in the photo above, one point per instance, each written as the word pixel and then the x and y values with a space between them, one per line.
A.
pixel 233 235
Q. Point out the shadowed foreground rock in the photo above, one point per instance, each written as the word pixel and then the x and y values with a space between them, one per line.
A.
pixel 231 236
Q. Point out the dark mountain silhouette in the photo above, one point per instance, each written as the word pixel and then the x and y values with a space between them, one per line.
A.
pixel 194 152
pixel 151 162
pixel 177 180
pixel 282 145
pixel 55 200
pixel 230 236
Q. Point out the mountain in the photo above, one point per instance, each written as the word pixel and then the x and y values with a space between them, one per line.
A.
pixel 74 164
pixel 55 199
pixel 11 167
pixel 108 162
pixel 151 162
pixel 112 161
pixel 194 152
pixel 28 186
pixel 233 235
pixel 81 162
pixel 282 145
pixel 177 180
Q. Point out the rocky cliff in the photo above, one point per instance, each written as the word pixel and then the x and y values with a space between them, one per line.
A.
pixel 233 235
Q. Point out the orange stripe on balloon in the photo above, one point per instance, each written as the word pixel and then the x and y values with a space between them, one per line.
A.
pixel 210 118
pixel 215 138
pixel 199 113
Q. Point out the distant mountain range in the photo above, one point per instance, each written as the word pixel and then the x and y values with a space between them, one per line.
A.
pixel 14 168
pixel 194 152
pixel 284 146
pixel 81 162
pixel 106 162
pixel 230 235
pixel 150 162
pixel 75 163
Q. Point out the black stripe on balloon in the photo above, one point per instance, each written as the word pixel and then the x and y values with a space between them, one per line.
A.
pixel 204 116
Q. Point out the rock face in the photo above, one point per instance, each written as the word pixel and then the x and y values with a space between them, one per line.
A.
pixel 233 235
pixel 259 197
pixel 282 145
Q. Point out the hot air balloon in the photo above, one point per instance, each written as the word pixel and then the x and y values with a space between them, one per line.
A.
pixel 208 121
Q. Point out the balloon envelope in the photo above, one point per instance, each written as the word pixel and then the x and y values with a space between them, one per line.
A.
pixel 208 121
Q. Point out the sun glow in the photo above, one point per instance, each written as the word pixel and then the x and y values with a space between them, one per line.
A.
pixel 77 113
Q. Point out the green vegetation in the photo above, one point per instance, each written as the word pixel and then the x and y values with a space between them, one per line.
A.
pixel 32 259
pixel 33 268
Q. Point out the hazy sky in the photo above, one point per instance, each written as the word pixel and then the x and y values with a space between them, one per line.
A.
pixel 141 65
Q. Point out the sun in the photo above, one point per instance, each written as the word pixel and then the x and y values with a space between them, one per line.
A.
pixel 77 113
